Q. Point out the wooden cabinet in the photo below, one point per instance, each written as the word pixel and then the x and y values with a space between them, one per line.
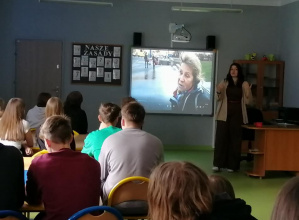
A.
pixel 275 149
pixel 266 78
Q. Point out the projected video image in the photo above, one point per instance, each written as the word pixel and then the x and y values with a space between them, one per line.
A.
pixel 173 81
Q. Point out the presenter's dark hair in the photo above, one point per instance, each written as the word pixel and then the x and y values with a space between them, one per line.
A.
pixel 229 78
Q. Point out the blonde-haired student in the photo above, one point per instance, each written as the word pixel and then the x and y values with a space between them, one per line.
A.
pixel 54 106
pixel 14 129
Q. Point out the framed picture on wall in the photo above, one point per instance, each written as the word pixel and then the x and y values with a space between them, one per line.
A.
pixel 96 63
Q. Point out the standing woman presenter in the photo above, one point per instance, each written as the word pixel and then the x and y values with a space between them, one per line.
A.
pixel 233 95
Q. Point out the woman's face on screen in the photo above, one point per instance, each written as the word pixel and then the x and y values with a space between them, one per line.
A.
pixel 185 81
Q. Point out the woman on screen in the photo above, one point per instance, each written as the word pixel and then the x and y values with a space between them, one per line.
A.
pixel 189 97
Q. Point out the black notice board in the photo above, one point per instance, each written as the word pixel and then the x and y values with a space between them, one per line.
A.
pixel 96 64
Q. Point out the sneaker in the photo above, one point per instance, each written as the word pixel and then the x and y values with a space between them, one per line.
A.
pixel 230 170
pixel 216 169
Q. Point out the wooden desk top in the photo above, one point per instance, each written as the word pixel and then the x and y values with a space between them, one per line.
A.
pixel 27 162
pixel 272 127
pixel 32 208
pixel 79 139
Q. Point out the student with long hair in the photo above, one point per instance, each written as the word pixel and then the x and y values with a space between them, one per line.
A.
pixel 14 129
pixel 287 202
pixel 54 106
pixel 233 94
pixel 72 108
pixel 179 191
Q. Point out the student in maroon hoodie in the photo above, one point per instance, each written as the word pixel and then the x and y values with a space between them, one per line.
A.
pixel 63 180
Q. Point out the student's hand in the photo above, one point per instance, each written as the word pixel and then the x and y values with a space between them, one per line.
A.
pixel 28 150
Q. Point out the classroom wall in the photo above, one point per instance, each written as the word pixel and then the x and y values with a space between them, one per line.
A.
pixel 289 51
pixel 256 30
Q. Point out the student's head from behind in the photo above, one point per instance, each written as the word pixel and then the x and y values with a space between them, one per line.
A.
pixel 11 126
pixel 74 100
pixel 54 107
pixel 178 190
pixel 220 184
pixel 15 110
pixel 2 107
pixel 132 114
pixel 109 113
pixel 56 129
pixel 286 206
pixel 126 100
pixel 190 72
pixel 42 99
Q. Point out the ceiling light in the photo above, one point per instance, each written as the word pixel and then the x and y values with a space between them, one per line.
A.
pixel 80 2
pixel 201 9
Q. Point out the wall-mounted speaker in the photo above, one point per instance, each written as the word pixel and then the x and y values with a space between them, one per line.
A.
pixel 137 39
pixel 211 42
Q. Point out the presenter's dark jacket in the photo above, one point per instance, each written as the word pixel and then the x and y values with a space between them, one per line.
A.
pixel 12 190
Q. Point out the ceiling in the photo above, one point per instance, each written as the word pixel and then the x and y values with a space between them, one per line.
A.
pixel 233 2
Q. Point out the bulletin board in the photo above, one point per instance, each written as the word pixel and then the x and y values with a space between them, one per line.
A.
pixel 96 64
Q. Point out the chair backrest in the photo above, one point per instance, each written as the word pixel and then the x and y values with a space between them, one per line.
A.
pixel 128 189
pixel 39 153
pixel 108 214
pixel 11 215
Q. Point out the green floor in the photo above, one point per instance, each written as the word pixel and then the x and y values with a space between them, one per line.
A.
pixel 259 193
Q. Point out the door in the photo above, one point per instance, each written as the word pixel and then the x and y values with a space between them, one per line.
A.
pixel 38 69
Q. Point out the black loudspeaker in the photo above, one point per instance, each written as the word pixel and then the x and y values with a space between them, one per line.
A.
pixel 137 39
pixel 210 43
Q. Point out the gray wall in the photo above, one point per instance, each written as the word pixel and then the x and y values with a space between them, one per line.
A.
pixel 258 30
pixel 289 51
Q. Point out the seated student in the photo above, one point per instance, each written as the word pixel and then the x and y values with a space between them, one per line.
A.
pixel 125 101
pixel 14 129
pixel 36 115
pixel 54 106
pixel 179 191
pixel 72 108
pixel 12 191
pixel 2 107
pixel 129 152
pixel 225 205
pixel 220 185
pixel 286 206
pixel 63 180
pixel 108 116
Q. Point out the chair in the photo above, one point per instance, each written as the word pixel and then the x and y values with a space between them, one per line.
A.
pixel 129 196
pixel 11 215
pixel 108 214
pixel 39 153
